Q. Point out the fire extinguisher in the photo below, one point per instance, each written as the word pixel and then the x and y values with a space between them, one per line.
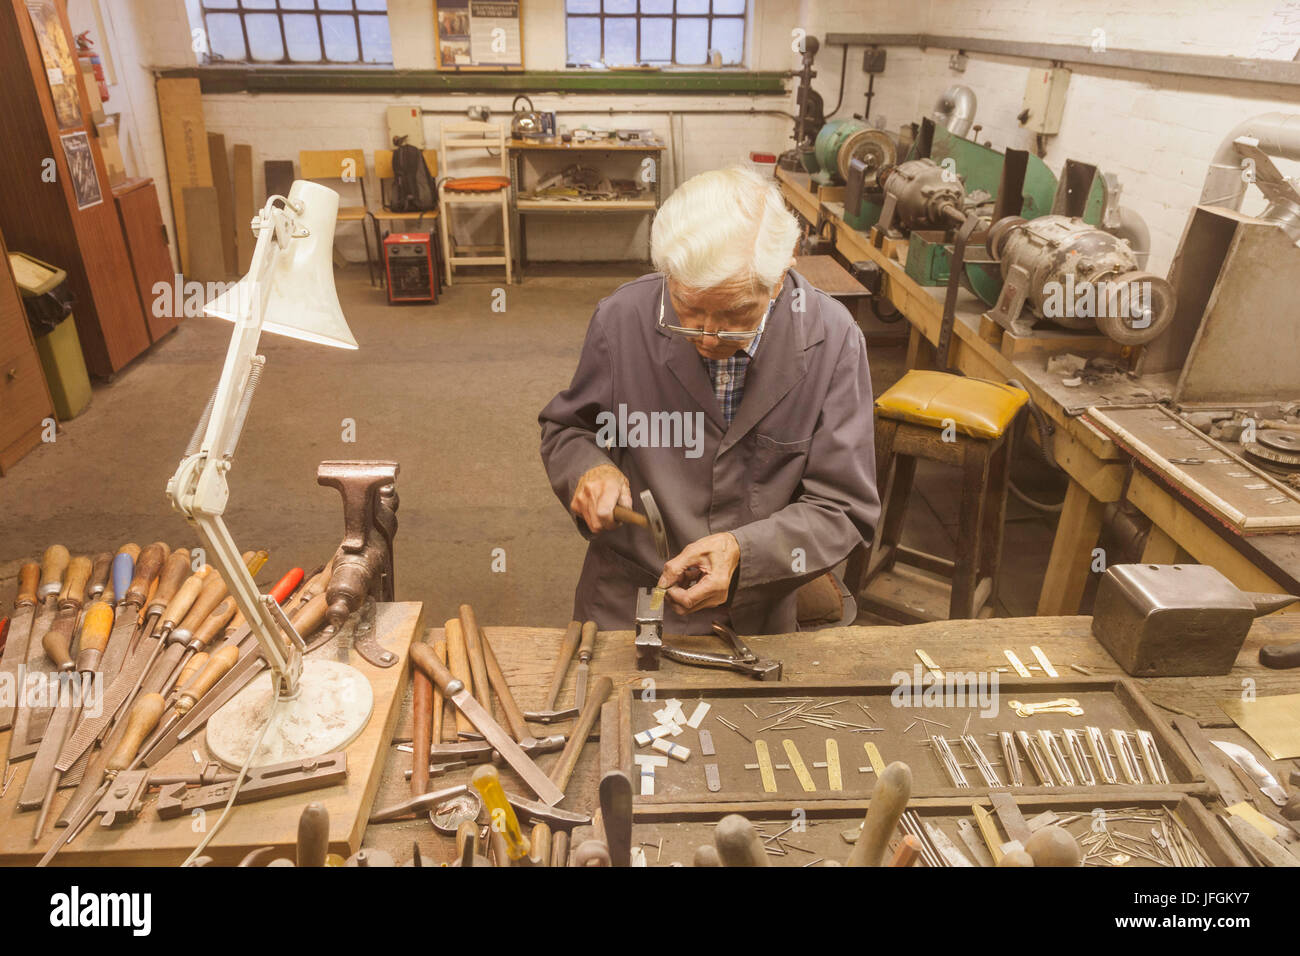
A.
pixel 85 52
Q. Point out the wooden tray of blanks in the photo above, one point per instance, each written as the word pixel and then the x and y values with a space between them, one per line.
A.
pixel 903 734
pixel 803 834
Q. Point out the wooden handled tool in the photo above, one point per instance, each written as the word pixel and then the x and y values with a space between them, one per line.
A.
pixel 738 843
pixel 514 716
pixel 564 767
pixel 888 801
pixel 477 660
pixel 439 705
pixel 183 600
pixel 567 647
pixel 907 852
pixel 211 593
pixel 140 722
pixel 560 848
pixel 147 567
pixel 487 782
pixel 583 673
pixel 422 656
pixel 313 835
pixel 101 568
pixel 421 730
pixel 628 516
pixel 706 855
pixel 53 564
pixel 73 594
pixel 218 663
pixel 173 574
pixel 616 814
pixel 29 576
pixel 458 664
pixel 190 668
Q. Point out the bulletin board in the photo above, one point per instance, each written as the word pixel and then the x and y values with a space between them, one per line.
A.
pixel 479 34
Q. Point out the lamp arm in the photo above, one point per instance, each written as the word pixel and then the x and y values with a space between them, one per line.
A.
pixel 199 489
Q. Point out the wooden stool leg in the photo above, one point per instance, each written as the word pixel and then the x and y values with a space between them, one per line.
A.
pixel 895 474
pixel 1071 561
pixel 995 516
pixel 974 478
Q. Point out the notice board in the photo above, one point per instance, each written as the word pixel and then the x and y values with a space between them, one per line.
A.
pixel 479 34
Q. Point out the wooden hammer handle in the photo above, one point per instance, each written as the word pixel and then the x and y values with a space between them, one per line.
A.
pixel 514 716
pixel 596 697
pixel 628 516
pixel 567 647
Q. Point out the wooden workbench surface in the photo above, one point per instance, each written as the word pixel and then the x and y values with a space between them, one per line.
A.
pixel 837 654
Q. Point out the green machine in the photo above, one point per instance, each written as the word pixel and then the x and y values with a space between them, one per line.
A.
pixel 840 142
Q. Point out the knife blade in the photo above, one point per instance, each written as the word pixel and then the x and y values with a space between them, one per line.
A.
pixel 1257 772
pixel 15 652
pixel 422 656
pixel 582 674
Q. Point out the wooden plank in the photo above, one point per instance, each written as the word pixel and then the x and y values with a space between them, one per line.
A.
pixel 185 142
pixel 1047 341
pixel 203 237
pixel 225 202
pixel 154 842
pixel 146 241
pixel 828 275
pixel 1071 559
pixel 244 208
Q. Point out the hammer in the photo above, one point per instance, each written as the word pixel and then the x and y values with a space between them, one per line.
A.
pixel 652 520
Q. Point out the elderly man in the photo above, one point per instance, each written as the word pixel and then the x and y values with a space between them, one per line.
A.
pixel 740 396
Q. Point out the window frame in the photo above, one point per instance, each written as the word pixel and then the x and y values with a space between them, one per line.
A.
pixel 279 12
pixel 673 17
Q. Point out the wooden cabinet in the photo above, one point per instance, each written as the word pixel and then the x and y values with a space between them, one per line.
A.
pixel 25 401
pixel 146 242
pixel 39 211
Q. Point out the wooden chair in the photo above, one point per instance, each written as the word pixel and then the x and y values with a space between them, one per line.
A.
pixel 384 173
pixel 477 190
pixel 965 422
pixel 346 166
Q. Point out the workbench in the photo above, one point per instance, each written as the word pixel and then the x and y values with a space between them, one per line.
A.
pixel 847 654
pixel 1099 471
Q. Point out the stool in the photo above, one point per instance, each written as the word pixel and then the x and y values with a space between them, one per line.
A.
pixel 938 416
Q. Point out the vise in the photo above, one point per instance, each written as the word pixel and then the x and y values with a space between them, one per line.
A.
pixel 363 565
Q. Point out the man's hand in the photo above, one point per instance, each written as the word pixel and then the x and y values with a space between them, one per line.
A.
pixel 701 575
pixel 599 490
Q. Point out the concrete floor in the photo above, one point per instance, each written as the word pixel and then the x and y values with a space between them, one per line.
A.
pixel 451 392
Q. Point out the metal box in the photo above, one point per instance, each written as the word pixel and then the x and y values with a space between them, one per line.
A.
pixel 1045 99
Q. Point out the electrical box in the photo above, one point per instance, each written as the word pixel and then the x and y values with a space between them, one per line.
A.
pixel 1045 100
pixel 873 59
pixel 406 121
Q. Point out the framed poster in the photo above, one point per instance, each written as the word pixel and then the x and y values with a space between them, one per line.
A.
pixel 479 34
pixel 81 167
pixel 61 68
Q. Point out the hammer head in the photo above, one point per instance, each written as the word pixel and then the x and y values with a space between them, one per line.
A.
pixel 657 528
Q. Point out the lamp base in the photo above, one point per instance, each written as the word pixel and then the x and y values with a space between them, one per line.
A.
pixel 333 705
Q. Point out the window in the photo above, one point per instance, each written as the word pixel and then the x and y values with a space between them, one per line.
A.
pixel 654 32
pixel 297 31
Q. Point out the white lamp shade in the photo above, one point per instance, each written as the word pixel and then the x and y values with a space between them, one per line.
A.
pixel 303 303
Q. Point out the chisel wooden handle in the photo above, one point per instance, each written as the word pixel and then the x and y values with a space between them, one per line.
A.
pixel 737 842
pixel 514 716
pixel 309 618
pixel 74 582
pixel 184 597
pixel 439 704
pixel 53 563
pixel 421 730
pixel 218 664
pixel 482 689
pixel 628 516
pixel 907 852
pixel 458 666
pixel 214 624
pixel 29 579
pixel 58 639
pixel 174 572
pixel 96 626
pixel 560 848
pixel 567 647
pixel 147 567
pixel 100 569
pixel 313 835
pixel 191 668
pixel 596 696
pixel 140 722
pixel 888 801
pixel 212 593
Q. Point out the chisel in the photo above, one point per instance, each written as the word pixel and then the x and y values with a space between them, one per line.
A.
pixel 214 668
pixel 142 719
pixel 422 656
pixel 15 652
pixel 100 569
pixel 71 599
pixel 93 639
pixel 54 563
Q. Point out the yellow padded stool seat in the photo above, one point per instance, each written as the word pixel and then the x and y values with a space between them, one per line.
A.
pixel 976 407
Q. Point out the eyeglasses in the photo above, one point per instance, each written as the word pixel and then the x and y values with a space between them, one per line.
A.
pixel 700 333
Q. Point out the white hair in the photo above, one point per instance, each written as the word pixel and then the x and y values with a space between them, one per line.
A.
pixel 722 228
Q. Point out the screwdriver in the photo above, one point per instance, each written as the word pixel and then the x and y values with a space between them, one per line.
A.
pixel 142 719
pixel 95 629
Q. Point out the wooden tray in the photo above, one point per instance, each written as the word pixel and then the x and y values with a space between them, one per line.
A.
pixel 682 829
pixel 1107 703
